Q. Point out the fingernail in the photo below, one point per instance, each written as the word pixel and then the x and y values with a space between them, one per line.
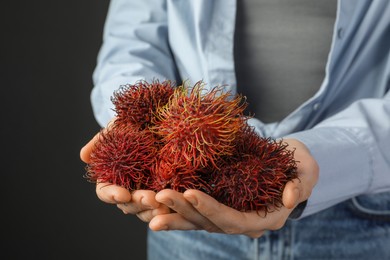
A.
pixel 193 201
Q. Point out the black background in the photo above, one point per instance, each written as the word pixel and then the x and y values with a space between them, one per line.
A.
pixel 48 210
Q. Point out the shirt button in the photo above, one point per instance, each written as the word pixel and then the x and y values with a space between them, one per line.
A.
pixel 316 106
pixel 340 33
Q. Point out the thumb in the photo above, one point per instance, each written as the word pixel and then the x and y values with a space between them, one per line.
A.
pixel 85 151
pixel 292 193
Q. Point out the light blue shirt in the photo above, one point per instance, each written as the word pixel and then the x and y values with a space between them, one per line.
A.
pixel 346 124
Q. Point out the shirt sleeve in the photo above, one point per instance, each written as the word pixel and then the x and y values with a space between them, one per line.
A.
pixel 135 47
pixel 352 149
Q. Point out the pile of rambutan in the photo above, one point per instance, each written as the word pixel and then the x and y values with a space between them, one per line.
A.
pixel 187 137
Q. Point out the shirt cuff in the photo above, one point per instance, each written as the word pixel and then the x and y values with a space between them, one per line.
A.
pixel 297 212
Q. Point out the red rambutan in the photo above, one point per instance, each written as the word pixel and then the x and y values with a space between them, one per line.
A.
pixel 124 156
pixel 190 138
pixel 136 104
pixel 255 176
pixel 200 126
pixel 181 181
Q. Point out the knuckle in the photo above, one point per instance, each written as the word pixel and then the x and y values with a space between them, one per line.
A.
pixel 144 216
pixel 127 209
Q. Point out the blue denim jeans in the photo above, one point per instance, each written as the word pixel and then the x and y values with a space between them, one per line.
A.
pixel 356 229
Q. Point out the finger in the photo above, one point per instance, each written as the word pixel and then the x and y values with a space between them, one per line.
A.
pixel 148 215
pixel 308 169
pixel 232 221
pixel 173 221
pixel 309 177
pixel 178 203
pixel 141 200
pixel 145 199
pixel 275 220
pixel 111 193
pixel 291 193
pixel 85 151
pixel 255 234
pixel 227 219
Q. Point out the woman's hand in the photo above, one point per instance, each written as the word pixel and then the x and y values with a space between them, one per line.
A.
pixel 195 210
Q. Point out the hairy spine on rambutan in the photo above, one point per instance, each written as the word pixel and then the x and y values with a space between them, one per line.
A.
pixel 124 156
pixel 136 104
pixel 181 180
pixel 169 174
pixel 255 176
pixel 198 126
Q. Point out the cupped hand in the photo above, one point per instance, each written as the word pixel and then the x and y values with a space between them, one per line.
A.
pixel 140 202
pixel 195 210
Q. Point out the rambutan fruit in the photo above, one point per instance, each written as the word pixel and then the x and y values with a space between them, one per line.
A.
pixel 124 156
pixel 170 174
pixel 255 176
pixel 191 138
pixel 181 180
pixel 198 125
pixel 170 163
pixel 136 104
